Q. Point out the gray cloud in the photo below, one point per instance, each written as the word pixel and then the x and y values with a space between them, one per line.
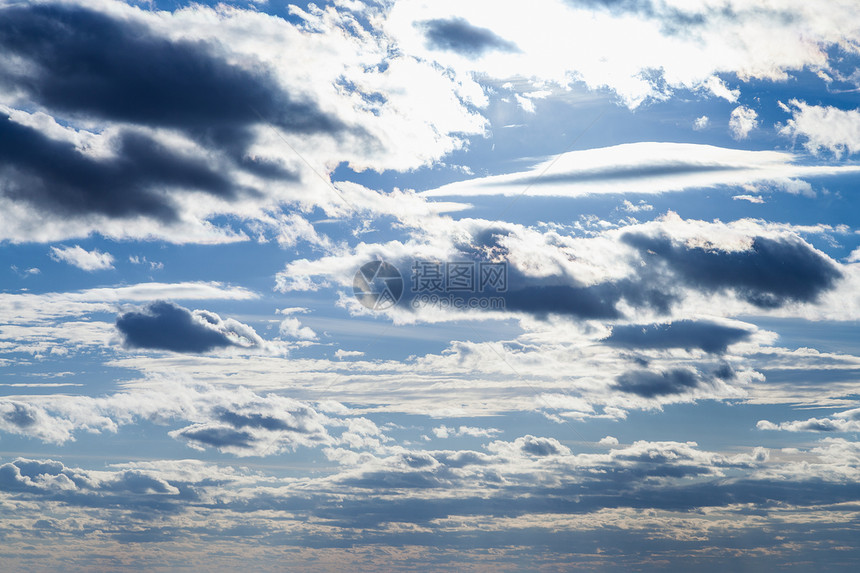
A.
pixel 54 176
pixel 687 334
pixel 458 35
pixel 770 274
pixel 143 80
pixel 649 384
pixel 163 325
pixel 216 436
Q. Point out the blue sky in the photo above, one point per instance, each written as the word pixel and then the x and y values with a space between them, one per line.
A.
pixel 195 374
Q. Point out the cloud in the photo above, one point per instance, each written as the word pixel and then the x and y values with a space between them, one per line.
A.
pixel 701 123
pixel 718 87
pixel 68 70
pixel 645 167
pixel 742 121
pixel 767 273
pixel 823 127
pixel 202 132
pixel 751 198
pixel 235 420
pixel 55 176
pixel 679 46
pixel 458 35
pixel 540 447
pixel 94 260
pixel 648 384
pixel 162 325
pixel 687 334
pixel 846 421
pixel 445 432
pixel 292 327
pixel 26 419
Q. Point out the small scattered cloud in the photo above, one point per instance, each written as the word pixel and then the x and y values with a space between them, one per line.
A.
pixel 292 327
pixel 445 432
pixel 751 198
pixel 141 260
pixel 701 123
pixel 742 121
pixel 89 261
pixel 719 88
pixel 340 353
pixel 25 272
pixel 637 207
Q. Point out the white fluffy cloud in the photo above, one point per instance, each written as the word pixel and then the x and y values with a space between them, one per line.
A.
pixel 742 121
pixel 823 127
pixel 94 260
pixel 678 45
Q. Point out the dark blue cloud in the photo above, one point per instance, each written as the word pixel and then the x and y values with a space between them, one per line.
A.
pixel 458 35
pixel 770 274
pixel 80 64
pixel 254 420
pixel 54 176
pixel 91 64
pixel 687 334
pixel 649 384
pixel 218 436
pixel 165 326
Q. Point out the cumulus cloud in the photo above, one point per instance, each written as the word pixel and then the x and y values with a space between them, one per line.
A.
pixel 236 420
pixel 846 421
pixel 292 327
pixel 445 432
pixel 94 260
pixel 742 121
pixel 655 269
pixel 823 127
pixel 163 325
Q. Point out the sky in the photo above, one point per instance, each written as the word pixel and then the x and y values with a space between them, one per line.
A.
pixel 565 285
